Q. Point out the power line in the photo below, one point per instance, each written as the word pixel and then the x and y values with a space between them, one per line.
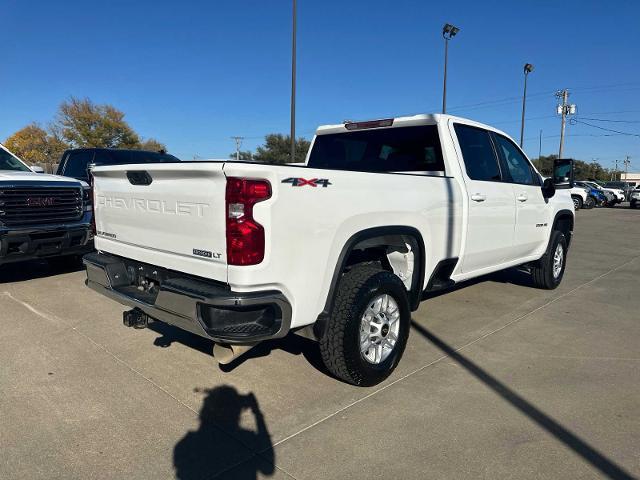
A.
pixel 607 120
pixel 575 120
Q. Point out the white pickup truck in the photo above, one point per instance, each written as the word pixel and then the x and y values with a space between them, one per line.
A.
pixel 341 249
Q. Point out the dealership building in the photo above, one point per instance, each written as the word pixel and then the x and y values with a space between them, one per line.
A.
pixel 630 177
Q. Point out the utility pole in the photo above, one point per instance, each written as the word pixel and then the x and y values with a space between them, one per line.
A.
pixel 615 172
pixel 293 85
pixel 238 143
pixel 564 109
pixel 540 146
pixel 626 162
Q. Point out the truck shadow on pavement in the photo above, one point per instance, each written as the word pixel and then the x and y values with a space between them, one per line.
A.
pixel 32 269
pixel 212 449
pixel 513 276
pixel 292 344
pixel 592 456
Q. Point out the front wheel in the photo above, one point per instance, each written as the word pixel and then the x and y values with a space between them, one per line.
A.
pixel 577 202
pixel 633 204
pixel 368 328
pixel 549 270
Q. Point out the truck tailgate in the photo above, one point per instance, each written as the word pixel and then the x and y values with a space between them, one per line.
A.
pixel 169 214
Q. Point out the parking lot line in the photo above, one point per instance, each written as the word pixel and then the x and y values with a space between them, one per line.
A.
pixel 466 345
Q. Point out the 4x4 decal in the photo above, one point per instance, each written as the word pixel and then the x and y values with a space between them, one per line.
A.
pixel 301 182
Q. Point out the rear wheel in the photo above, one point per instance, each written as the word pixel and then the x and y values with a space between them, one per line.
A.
pixel 577 202
pixel 633 204
pixel 368 328
pixel 589 203
pixel 549 270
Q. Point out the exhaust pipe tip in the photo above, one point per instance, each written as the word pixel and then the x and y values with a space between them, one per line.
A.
pixel 224 354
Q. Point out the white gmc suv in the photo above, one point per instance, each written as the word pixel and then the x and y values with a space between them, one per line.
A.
pixel 340 249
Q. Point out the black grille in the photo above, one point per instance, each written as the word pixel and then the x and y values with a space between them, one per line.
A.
pixel 39 205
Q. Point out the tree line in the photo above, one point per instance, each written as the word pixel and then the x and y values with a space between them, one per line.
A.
pixel 79 123
pixel 582 170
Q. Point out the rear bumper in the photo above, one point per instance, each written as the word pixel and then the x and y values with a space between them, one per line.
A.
pixel 204 307
pixel 18 244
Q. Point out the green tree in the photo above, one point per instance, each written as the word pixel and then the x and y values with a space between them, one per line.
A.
pixel 277 149
pixel 244 155
pixel 151 144
pixel 582 170
pixel 36 145
pixel 544 164
pixel 82 123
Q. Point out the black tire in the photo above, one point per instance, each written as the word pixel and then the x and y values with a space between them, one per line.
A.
pixel 589 203
pixel 542 272
pixel 340 345
pixel 577 202
pixel 633 204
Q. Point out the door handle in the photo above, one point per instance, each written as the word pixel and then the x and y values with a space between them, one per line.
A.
pixel 478 197
pixel 522 197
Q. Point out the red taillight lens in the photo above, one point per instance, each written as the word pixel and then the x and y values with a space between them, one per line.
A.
pixel 245 236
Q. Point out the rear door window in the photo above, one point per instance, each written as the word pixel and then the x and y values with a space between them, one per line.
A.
pixel 402 149
pixel 478 153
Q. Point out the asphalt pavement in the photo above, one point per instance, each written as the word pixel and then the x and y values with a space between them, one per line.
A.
pixel 499 380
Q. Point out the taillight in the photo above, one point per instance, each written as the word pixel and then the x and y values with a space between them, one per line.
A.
pixel 245 236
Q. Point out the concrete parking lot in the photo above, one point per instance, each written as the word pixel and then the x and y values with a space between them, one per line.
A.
pixel 499 380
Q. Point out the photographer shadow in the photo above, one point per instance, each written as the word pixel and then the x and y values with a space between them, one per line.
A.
pixel 201 453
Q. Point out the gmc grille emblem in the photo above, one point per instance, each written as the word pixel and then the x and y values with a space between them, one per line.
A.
pixel 41 201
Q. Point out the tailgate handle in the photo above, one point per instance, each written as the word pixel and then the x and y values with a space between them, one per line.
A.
pixel 139 177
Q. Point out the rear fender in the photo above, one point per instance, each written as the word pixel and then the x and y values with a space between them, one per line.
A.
pixel 371 238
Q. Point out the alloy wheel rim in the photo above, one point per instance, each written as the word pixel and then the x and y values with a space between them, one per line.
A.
pixel 558 259
pixel 379 329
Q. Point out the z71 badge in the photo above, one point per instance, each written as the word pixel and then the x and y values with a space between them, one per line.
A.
pixel 301 182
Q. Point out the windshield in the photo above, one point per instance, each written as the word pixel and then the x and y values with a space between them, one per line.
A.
pixel 9 162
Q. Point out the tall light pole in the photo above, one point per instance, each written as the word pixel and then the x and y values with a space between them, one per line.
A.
pixel 528 68
pixel 448 32
pixel 293 85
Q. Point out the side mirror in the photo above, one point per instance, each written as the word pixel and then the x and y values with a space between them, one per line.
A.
pixel 37 169
pixel 548 188
pixel 563 173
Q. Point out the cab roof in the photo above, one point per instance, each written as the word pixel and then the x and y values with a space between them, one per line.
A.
pixel 403 121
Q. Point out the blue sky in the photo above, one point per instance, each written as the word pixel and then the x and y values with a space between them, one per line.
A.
pixel 192 74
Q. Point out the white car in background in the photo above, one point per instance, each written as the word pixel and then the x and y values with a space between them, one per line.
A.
pixel 581 198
